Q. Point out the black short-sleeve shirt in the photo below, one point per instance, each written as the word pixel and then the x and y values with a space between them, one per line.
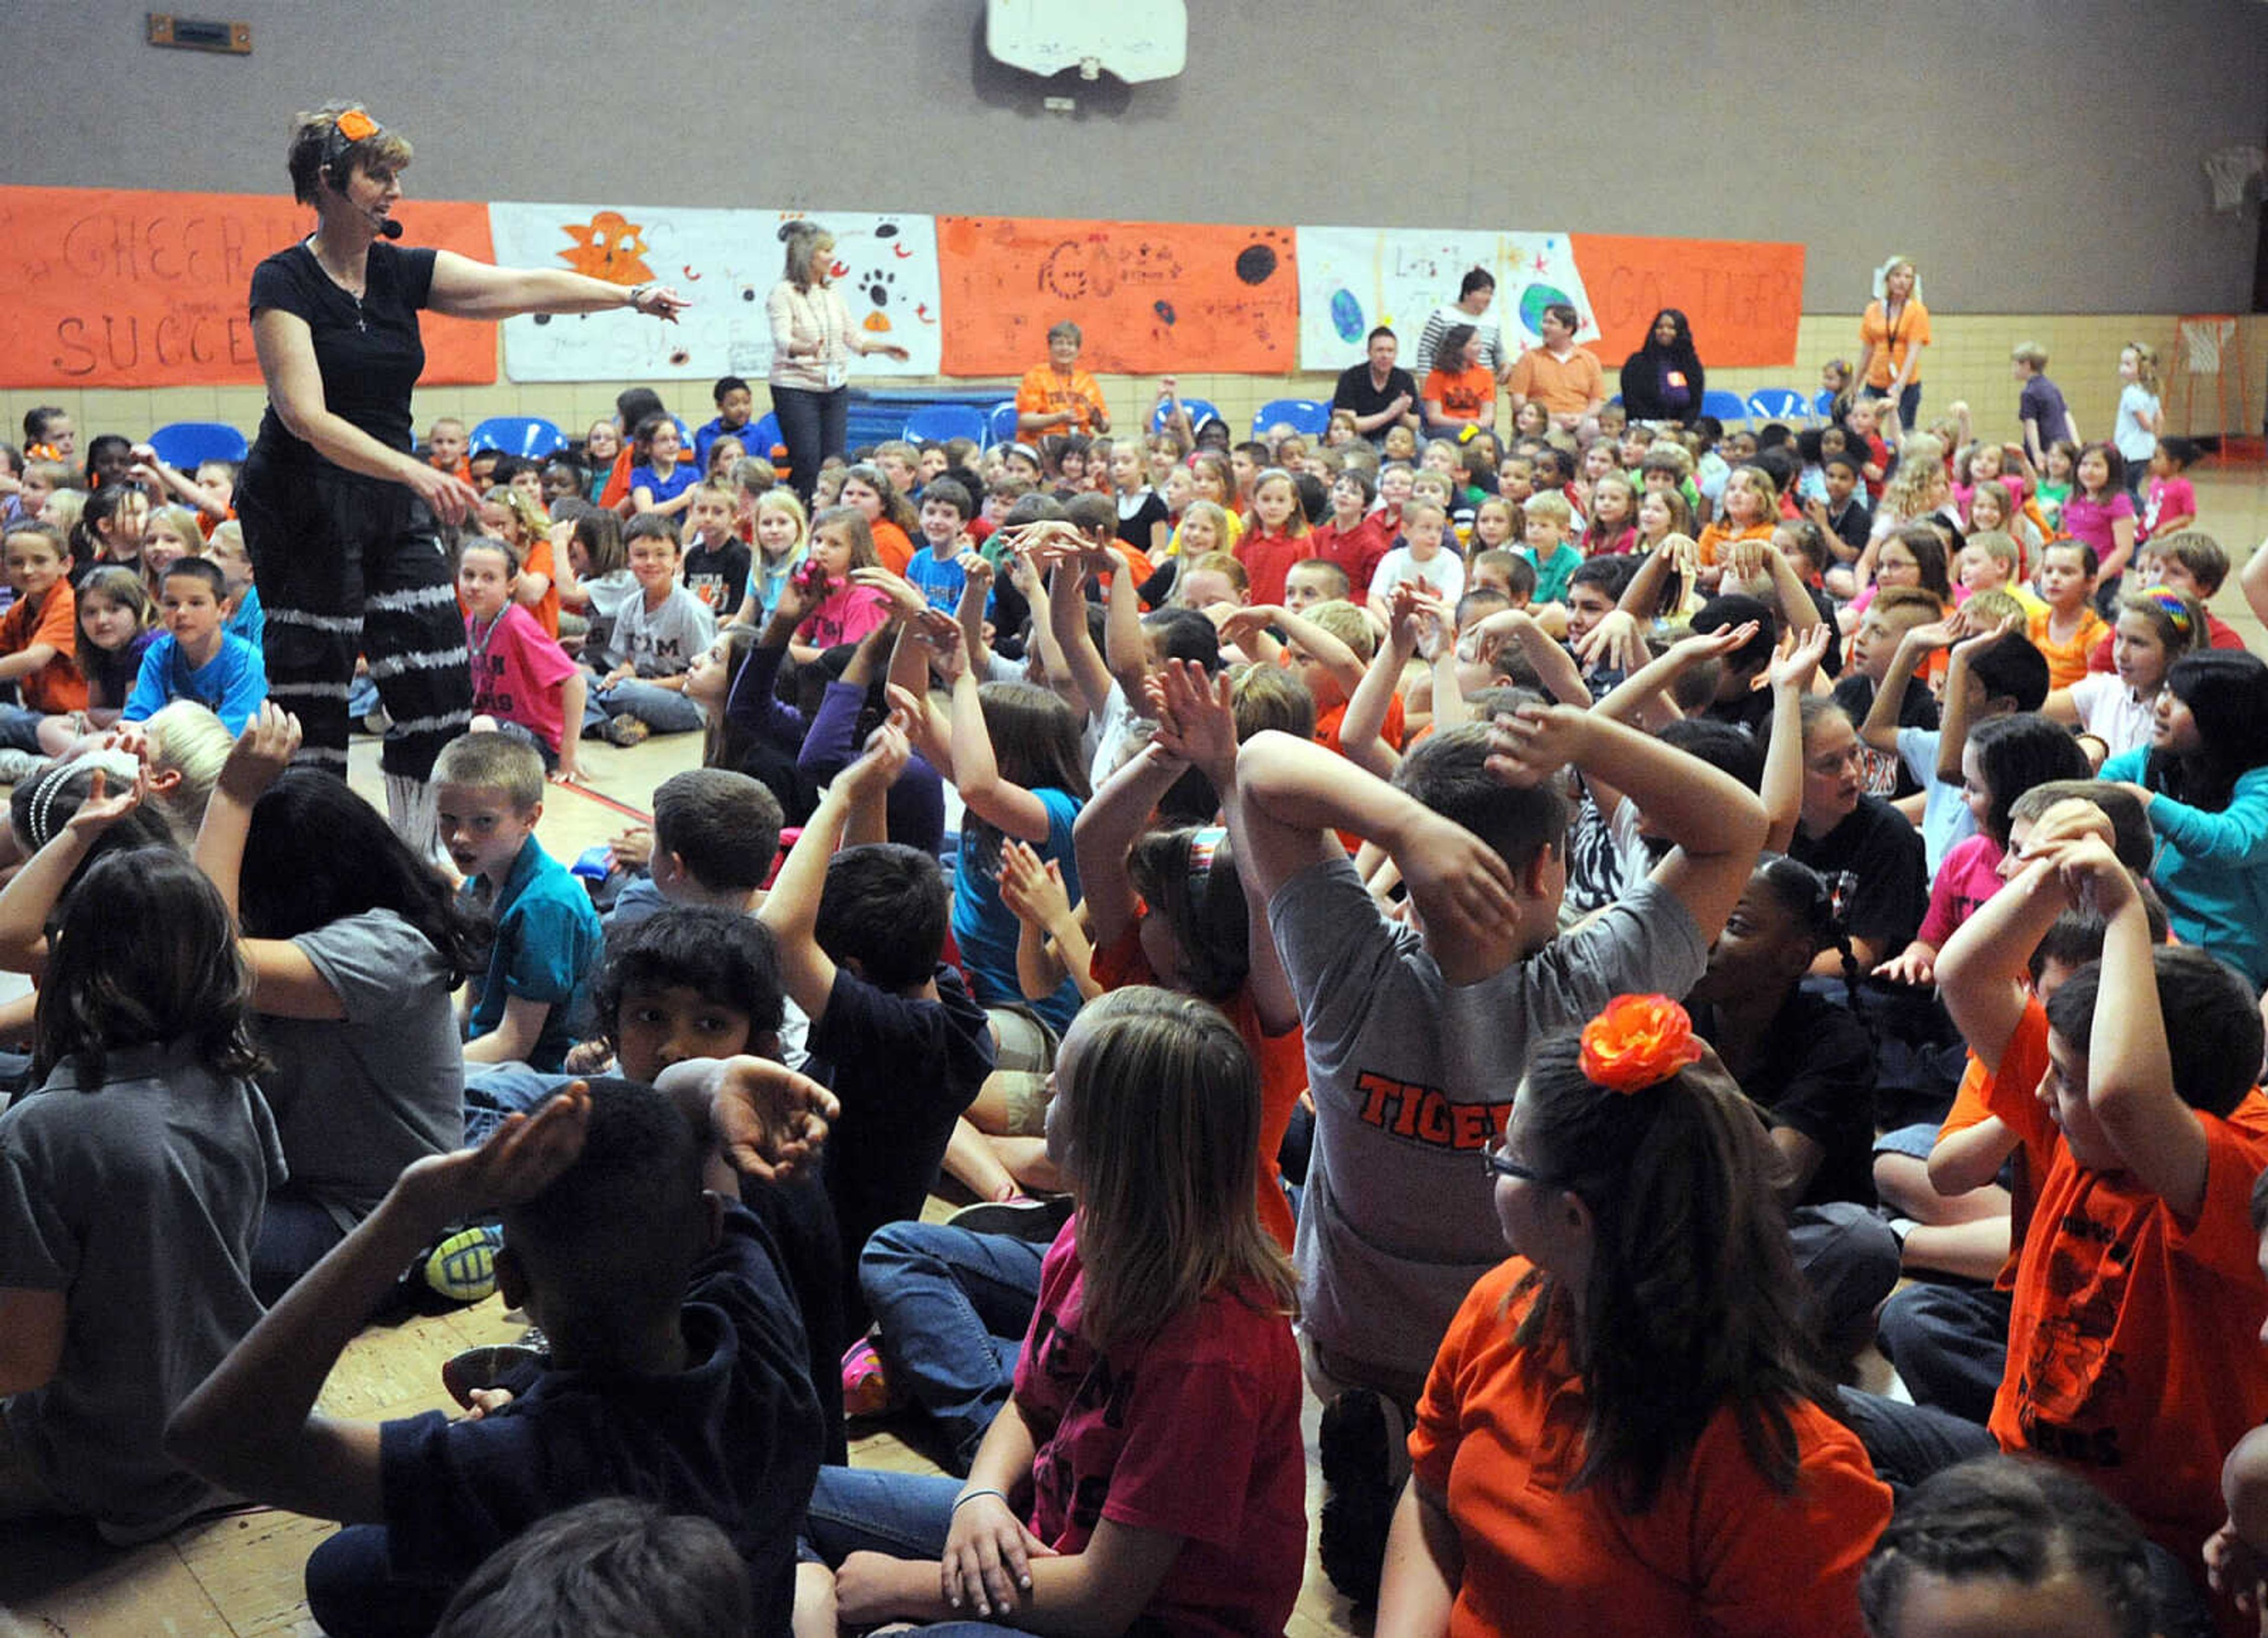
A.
pixel 1875 845
pixel 1356 391
pixel 369 351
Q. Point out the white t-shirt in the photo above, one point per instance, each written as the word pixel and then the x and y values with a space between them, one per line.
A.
pixel 2113 712
pixel 1444 572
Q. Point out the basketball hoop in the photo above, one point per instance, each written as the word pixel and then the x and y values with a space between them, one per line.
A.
pixel 2232 172
pixel 2202 339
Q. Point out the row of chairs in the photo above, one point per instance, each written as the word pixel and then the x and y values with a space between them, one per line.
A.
pixel 184 443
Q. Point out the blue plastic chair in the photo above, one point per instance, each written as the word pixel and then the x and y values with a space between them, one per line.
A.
pixel 764 437
pixel 1724 405
pixel 528 436
pixel 184 446
pixel 1001 421
pixel 1199 411
pixel 1302 415
pixel 1779 403
pixel 1823 405
pixel 939 423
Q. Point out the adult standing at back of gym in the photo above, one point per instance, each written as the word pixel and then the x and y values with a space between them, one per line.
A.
pixel 1475 292
pixel 1892 335
pixel 813 339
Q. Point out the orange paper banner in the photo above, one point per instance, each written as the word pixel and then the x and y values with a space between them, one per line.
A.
pixel 1151 296
pixel 1744 300
pixel 117 288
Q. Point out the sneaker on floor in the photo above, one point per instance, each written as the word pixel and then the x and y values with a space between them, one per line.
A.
pixel 1022 1219
pixel 626 731
pixel 462 1268
pixel 866 1383
pixel 1362 1449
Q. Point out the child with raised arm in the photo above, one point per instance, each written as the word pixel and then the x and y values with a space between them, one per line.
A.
pixel 2134 1331
pixel 131 1183
pixel 1417 1035
pixel 893 1032
pixel 676 1363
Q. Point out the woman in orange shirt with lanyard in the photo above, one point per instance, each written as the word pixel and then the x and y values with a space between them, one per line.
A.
pixel 813 339
pixel 1626 1430
pixel 1891 337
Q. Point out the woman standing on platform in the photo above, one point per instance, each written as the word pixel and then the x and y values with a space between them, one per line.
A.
pixel 339 514
pixel 813 339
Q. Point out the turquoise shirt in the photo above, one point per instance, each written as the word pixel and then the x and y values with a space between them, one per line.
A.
pixel 2212 869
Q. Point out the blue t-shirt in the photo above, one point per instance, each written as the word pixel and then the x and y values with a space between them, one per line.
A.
pixel 2212 869
pixel 681 477
pixel 939 580
pixel 230 685
pixel 250 621
pixel 716 429
pixel 547 939
pixel 985 929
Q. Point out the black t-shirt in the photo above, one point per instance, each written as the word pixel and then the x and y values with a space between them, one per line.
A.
pixel 904 1070
pixel 1883 853
pixel 1886 773
pixel 1134 527
pixel 719 578
pixel 1354 391
pixel 369 351
pixel 1817 1076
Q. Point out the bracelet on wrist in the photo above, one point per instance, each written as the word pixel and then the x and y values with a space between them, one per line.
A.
pixel 970 1496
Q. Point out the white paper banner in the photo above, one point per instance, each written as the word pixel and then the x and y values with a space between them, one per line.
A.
pixel 725 263
pixel 1352 279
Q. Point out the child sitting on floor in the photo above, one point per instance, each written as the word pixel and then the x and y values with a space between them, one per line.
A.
pixel 196 659
pixel 488 792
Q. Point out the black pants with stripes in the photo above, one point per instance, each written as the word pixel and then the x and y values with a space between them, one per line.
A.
pixel 350 565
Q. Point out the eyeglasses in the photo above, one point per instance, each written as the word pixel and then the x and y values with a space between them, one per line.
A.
pixel 1502 1165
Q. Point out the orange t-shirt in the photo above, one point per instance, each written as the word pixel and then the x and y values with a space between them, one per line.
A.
pixel 56 687
pixel 540 561
pixel 2021 1066
pixel 1282 1061
pixel 1043 392
pixel 1327 728
pixel 1722 534
pixel 2067 660
pixel 892 546
pixel 1463 394
pixel 1500 1433
pixel 2133 1337
pixel 1565 386
pixel 618 479
pixel 1891 347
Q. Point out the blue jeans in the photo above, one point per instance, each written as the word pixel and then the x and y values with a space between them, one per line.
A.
pixel 907 1516
pixel 953 1308
pixel 19 728
pixel 295 1233
pixel 814 426
pixel 665 710
pixel 354 1591
pixel 1948 1344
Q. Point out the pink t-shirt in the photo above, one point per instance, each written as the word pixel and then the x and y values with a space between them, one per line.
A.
pixel 1193 1430
pixel 1966 876
pixel 843 615
pixel 2091 520
pixel 2169 497
pixel 516 672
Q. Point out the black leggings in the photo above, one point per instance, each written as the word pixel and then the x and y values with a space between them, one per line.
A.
pixel 345 565
pixel 814 426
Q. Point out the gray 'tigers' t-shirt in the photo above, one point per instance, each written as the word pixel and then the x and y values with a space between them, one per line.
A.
pixel 140 1200
pixel 359 1098
pixel 1412 1077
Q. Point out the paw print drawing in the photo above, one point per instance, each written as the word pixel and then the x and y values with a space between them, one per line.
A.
pixel 879 286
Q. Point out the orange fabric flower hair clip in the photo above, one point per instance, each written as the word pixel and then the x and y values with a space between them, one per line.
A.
pixel 355 125
pixel 1639 1041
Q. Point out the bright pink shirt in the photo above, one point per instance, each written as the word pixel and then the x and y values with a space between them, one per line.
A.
pixel 517 673
pixel 2169 497
pixel 1966 876
pixel 843 615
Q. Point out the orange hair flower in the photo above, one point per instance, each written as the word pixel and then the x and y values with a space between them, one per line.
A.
pixel 1639 1041
pixel 355 125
